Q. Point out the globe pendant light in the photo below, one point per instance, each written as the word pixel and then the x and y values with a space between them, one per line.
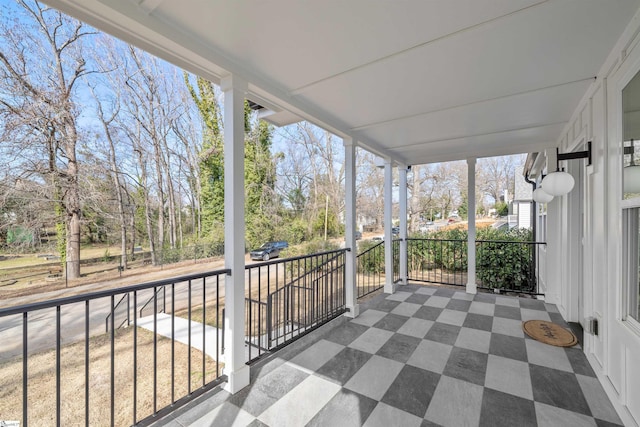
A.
pixel 541 196
pixel 558 183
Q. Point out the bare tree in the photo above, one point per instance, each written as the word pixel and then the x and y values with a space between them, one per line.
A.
pixel 41 64
pixel 496 174
pixel 108 122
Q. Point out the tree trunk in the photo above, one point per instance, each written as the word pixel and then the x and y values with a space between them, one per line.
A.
pixel 72 204
pixel 415 200
pixel 147 205
pixel 115 176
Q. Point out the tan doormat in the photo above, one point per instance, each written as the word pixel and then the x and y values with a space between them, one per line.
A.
pixel 549 333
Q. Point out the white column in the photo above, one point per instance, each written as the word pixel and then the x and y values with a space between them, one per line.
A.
pixel 351 294
pixel 389 286
pixel 471 220
pixel 237 371
pixel 402 192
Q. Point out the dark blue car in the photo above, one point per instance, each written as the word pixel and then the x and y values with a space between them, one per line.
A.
pixel 268 250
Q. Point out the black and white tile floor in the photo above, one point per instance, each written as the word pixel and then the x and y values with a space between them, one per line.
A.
pixel 423 356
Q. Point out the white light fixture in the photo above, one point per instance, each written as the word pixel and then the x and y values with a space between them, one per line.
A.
pixel 541 196
pixel 559 183
pixel 631 173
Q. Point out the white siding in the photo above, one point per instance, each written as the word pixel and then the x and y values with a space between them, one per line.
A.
pixel 593 247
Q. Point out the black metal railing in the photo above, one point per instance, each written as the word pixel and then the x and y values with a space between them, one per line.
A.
pixel 121 312
pixel 370 270
pixel 395 249
pixel 287 298
pixel 56 351
pixel 505 265
pixel 156 303
pixel 441 261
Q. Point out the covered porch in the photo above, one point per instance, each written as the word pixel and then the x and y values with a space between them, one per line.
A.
pixel 425 355
pixel 416 84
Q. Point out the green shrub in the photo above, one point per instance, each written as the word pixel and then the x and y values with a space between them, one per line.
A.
pixel 373 261
pixel 503 265
pixel 296 231
pixel 308 264
pixel 503 262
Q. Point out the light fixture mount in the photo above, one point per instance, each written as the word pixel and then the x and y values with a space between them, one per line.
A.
pixel 559 183
pixel 586 154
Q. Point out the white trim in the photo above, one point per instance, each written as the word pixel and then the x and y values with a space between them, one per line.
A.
pixel 612 393
pixel 234 230
pixel 402 196
pixel 389 286
pixel 351 293
pixel 472 287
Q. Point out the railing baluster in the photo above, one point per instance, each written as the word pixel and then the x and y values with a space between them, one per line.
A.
pixel 113 368
pixel 189 338
pixel 58 365
pixel 155 350
pixel 135 357
pixel 218 325
pixel 86 363
pixel 173 341
pixel 249 313
pixel 25 364
pixel 204 331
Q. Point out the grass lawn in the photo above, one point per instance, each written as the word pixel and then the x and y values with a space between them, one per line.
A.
pixel 88 252
pixel 42 380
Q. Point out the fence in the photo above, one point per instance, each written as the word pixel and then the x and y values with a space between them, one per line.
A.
pixel 507 265
pixel 504 265
pixel 395 249
pixel 287 298
pixel 126 376
pixel 370 270
pixel 54 271
pixel 441 261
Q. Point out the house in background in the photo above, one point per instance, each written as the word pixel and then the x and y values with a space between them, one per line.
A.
pixel 522 204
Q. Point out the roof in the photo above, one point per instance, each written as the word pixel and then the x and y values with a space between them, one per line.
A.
pixel 416 81
pixel 523 190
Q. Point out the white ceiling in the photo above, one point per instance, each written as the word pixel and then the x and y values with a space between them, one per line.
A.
pixel 419 81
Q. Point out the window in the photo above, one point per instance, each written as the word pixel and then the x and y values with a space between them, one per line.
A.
pixel 631 245
pixel 631 198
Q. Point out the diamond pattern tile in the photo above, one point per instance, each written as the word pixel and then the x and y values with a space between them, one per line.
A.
pixel 424 356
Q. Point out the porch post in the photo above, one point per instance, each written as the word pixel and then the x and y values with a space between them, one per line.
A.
pixel 402 192
pixel 471 221
pixel 351 294
pixel 235 368
pixel 389 286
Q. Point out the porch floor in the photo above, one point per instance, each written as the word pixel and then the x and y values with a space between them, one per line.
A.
pixel 423 356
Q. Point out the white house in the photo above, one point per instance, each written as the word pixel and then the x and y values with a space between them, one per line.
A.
pixel 418 82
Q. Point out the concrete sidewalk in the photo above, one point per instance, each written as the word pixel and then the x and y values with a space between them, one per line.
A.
pixel 212 336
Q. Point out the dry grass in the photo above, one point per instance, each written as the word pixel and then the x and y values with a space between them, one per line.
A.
pixel 42 380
